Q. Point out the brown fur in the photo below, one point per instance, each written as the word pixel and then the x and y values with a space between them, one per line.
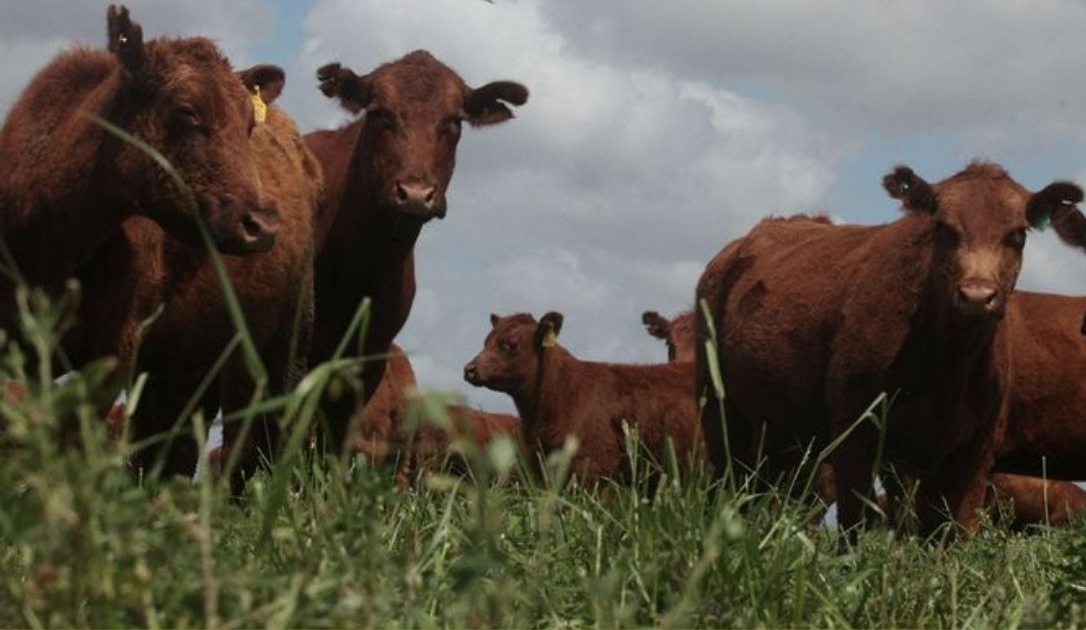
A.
pixel 815 320
pixel 381 438
pixel 112 218
pixel 1025 494
pixel 558 396
pixel 387 174
pixel 192 330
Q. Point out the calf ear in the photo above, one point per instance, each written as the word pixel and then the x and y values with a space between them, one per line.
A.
pixel 484 107
pixel 546 332
pixel 494 319
pixel 125 38
pixel 914 193
pixel 269 78
pixel 656 325
pixel 1056 203
pixel 352 90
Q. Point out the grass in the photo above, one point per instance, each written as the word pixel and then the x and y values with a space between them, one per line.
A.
pixel 84 543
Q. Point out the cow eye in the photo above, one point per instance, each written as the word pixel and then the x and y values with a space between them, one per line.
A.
pixel 188 114
pixel 506 347
pixel 1016 239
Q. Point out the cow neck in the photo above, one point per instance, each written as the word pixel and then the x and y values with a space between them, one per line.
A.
pixel 538 404
pixel 66 230
pixel 942 347
pixel 368 247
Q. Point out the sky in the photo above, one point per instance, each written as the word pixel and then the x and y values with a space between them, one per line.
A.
pixel 655 133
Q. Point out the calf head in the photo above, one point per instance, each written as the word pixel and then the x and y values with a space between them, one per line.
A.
pixel 509 361
pixel 677 333
pixel 980 219
pixel 414 108
pixel 181 98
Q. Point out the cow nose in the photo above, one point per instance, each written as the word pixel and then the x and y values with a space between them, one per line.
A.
pixel 978 296
pixel 416 197
pixel 470 374
pixel 240 226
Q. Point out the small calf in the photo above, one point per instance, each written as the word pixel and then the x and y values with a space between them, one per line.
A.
pixel 558 396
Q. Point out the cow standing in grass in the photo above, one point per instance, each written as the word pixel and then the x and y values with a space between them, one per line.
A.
pixel 80 201
pixel 387 173
pixel 559 396
pixel 814 320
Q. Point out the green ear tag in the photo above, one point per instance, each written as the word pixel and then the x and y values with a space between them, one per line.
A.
pixel 1044 222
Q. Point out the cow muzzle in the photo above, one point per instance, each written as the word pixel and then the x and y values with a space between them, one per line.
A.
pixel 979 298
pixel 418 198
pixel 243 228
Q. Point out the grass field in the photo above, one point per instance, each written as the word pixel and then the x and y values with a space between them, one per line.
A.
pixel 82 543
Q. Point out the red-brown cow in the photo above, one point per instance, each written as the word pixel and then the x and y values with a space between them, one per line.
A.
pixel 79 201
pixel 68 184
pixel 274 289
pixel 387 174
pixel 558 396
pixel 814 320
pixel 1032 500
pixel 381 438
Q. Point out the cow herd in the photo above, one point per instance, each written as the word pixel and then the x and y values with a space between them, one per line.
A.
pixel 119 166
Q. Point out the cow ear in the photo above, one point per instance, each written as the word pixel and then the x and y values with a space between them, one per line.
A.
pixel 1056 203
pixel 484 105
pixel 125 38
pixel 656 325
pixel 352 90
pixel 546 332
pixel 267 80
pixel 914 193
pixel 494 319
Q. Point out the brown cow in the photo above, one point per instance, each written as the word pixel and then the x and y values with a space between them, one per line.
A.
pixel 1032 500
pixel 814 320
pixel 274 290
pixel 1047 415
pixel 558 396
pixel 381 436
pixel 78 200
pixel 68 184
pixel 387 174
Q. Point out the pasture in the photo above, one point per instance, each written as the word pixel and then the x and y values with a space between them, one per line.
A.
pixel 339 545
pixel 167 231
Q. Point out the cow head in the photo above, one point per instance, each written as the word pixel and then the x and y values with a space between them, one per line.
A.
pixel 414 109
pixel 981 217
pixel 677 333
pixel 509 361
pixel 180 97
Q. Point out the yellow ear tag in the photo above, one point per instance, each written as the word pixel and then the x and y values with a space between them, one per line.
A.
pixel 550 339
pixel 260 110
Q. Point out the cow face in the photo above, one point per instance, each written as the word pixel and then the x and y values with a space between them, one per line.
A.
pixel 981 217
pixel 181 98
pixel 510 358
pixel 677 333
pixel 414 109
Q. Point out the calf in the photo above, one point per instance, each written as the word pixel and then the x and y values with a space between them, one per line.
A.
pixel 814 320
pixel 558 396
pixel 387 174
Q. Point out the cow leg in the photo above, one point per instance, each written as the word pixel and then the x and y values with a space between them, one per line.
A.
pixel 959 486
pixel 163 400
pixel 853 462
